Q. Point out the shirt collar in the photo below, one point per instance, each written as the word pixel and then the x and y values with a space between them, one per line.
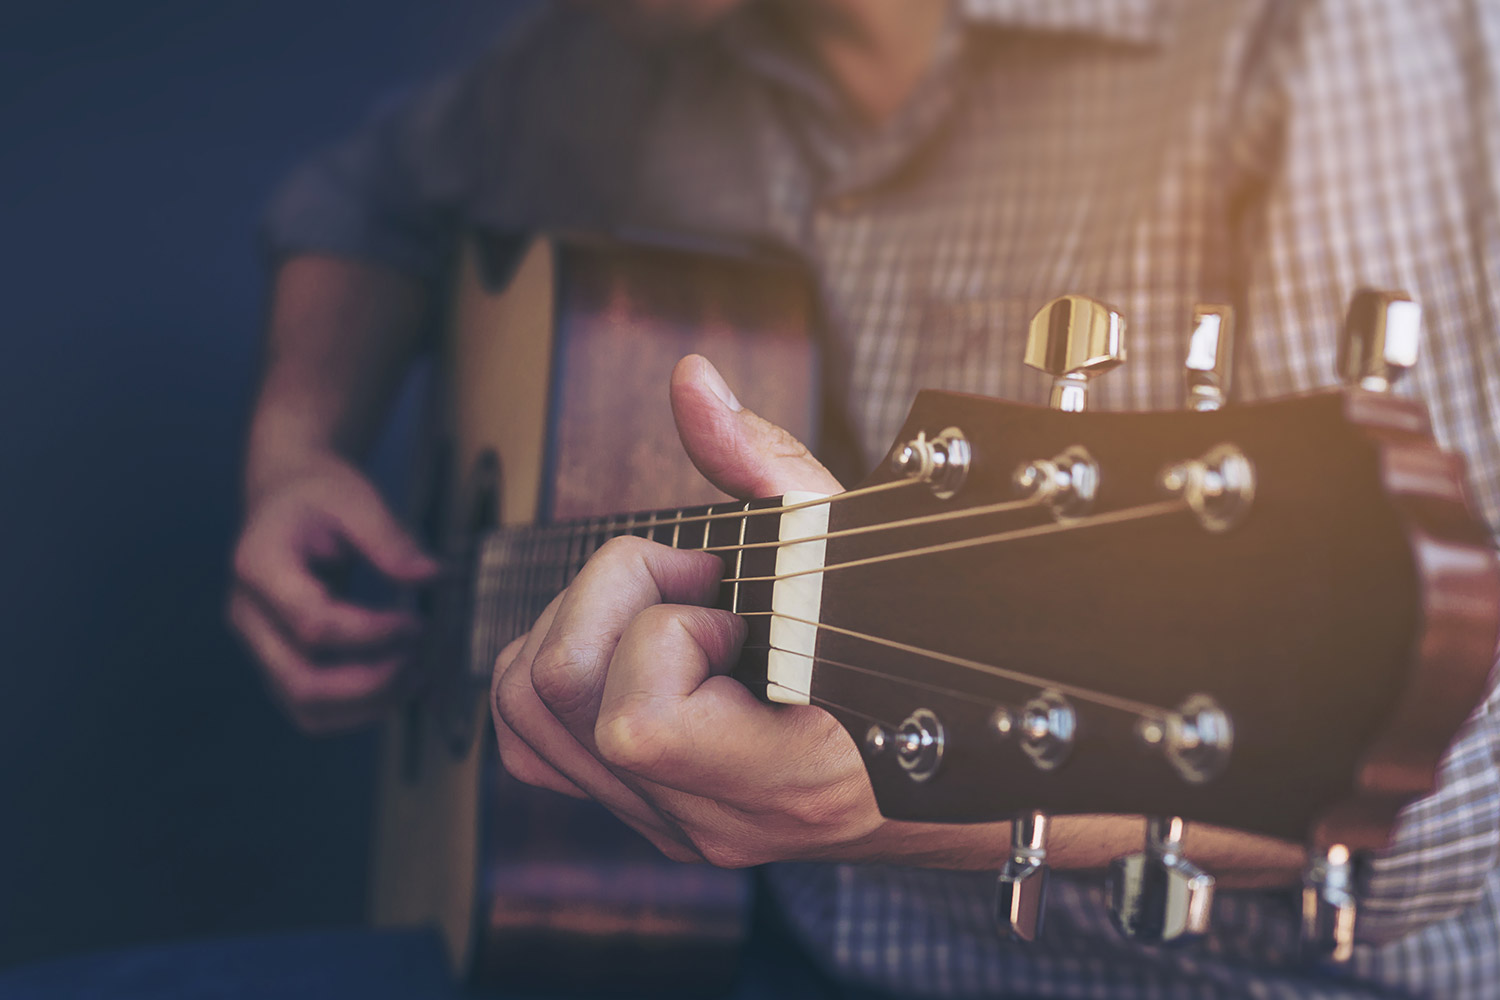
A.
pixel 1138 22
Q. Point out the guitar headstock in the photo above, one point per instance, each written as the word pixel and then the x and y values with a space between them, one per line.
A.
pixel 1271 617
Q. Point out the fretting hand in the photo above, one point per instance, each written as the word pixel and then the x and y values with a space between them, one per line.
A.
pixel 620 691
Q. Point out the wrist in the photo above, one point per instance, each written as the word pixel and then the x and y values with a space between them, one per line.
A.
pixel 278 456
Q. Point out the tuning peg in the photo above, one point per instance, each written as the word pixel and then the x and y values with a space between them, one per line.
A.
pixel 1158 896
pixel 1073 338
pixel 1021 890
pixel 1382 334
pixel 1329 906
pixel 1210 357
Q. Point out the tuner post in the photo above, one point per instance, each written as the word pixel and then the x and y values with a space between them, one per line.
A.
pixel 1021 889
pixel 1329 906
pixel 1158 896
pixel 1380 340
pixel 1210 357
pixel 1073 338
pixel 942 461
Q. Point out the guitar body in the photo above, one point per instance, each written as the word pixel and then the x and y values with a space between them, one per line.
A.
pixel 554 407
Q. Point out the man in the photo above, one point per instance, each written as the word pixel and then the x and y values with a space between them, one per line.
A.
pixel 942 169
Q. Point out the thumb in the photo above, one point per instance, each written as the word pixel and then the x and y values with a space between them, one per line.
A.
pixel 739 452
pixel 371 528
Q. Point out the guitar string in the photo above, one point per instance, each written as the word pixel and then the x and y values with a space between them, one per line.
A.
pixel 1101 698
pixel 829 661
pixel 1004 507
pixel 1138 513
pixel 628 523
pixel 909 522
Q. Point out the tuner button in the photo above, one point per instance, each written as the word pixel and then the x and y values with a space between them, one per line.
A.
pixel 1382 334
pixel 1329 907
pixel 1073 338
pixel 1021 889
pixel 1210 357
pixel 1157 896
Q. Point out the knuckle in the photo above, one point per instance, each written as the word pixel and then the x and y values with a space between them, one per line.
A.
pixel 812 810
pixel 628 740
pixel 510 698
pixel 622 549
pixel 559 676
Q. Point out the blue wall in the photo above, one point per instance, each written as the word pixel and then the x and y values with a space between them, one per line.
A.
pixel 148 791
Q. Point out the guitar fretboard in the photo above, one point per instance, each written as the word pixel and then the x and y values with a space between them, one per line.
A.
pixel 518 571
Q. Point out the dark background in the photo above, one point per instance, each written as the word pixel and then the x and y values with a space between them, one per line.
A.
pixel 148 790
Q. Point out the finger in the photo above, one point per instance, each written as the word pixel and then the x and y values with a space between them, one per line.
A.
pixel 368 524
pixel 622 579
pixel 518 758
pixel 518 708
pixel 739 452
pixel 319 699
pixel 275 573
pixel 669 715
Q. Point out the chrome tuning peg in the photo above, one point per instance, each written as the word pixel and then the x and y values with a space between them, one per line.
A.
pixel 1329 906
pixel 1158 896
pixel 1381 337
pixel 1073 338
pixel 1021 890
pixel 1210 357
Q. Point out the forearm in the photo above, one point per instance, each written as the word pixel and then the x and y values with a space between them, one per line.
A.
pixel 341 335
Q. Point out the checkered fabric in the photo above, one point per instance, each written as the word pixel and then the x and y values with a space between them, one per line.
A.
pixel 1151 153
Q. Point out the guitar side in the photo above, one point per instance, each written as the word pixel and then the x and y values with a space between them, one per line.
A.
pixel 562 374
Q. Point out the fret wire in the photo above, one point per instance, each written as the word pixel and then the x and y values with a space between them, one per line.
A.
pixel 1101 698
pixel 1142 512
pixel 739 559
pixel 676 527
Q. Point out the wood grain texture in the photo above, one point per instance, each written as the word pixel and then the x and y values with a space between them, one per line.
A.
pixel 631 316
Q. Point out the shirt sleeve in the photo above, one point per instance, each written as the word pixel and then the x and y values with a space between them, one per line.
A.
pixel 1376 174
pixel 392 192
pixel 540 133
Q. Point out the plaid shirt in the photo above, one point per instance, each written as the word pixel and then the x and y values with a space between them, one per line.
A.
pixel 1152 153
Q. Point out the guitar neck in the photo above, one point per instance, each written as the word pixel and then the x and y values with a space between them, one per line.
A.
pixel 519 570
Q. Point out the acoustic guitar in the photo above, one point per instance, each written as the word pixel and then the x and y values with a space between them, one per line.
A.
pixel 1270 617
pixel 551 407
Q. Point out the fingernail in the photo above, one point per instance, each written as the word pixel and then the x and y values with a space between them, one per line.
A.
pixel 719 387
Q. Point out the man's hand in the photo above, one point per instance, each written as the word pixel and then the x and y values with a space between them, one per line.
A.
pixel 331 664
pixel 619 692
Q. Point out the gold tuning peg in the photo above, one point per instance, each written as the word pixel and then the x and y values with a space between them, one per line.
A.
pixel 1381 337
pixel 1210 357
pixel 1021 890
pixel 1073 338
